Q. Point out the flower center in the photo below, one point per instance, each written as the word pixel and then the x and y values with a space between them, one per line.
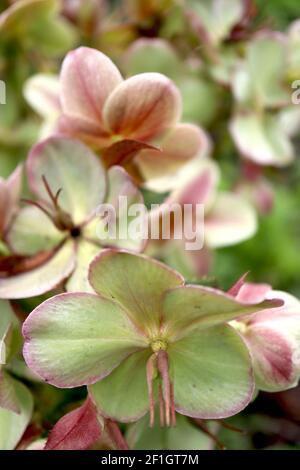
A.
pixel 158 345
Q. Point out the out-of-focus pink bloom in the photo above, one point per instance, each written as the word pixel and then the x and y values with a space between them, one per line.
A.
pixel 228 218
pixel 256 188
pixel 273 337
pixel 133 122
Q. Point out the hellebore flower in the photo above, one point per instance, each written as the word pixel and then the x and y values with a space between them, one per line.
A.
pixel 145 338
pixel 59 230
pixel 256 126
pixel 10 190
pixel 228 219
pixel 119 118
pixel 273 337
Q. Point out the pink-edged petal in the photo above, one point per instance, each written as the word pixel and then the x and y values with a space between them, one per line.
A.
pixel 181 145
pixel 212 373
pixel 77 430
pixel 231 220
pixel 273 337
pixel 143 107
pixel 87 79
pixel 76 339
pixel 10 191
pixel 41 279
pixel 42 93
pixel 69 166
pixel 262 139
pixel 199 185
pixel 275 355
pixel 193 198
pixel 188 307
pixel 136 282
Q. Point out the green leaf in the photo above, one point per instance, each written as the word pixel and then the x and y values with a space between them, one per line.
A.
pixel 77 338
pixel 212 373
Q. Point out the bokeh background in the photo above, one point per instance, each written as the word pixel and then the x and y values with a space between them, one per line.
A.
pixel 35 39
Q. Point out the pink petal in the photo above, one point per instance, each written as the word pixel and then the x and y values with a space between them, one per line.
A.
pixel 143 107
pixel 77 430
pixel 253 293
pixel 201 188
pixel 182 143
pixel 10 191
pixel 273 352
pixel 87 131
pixel 87 79
pixel 42 93
pixel 41 279
pixel 231 220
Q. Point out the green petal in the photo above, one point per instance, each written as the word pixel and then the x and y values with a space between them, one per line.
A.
pixel 189 307
pixel 10 334
pixel 32 231
pixel 212 373
pixel 13 425
pixel 123 395
pixel 217 17
pixel 136 282
pixel 266 54
pixel 70 166
pixel 76 339
pixel 147 55
pixel 41 279
pixel 85 253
